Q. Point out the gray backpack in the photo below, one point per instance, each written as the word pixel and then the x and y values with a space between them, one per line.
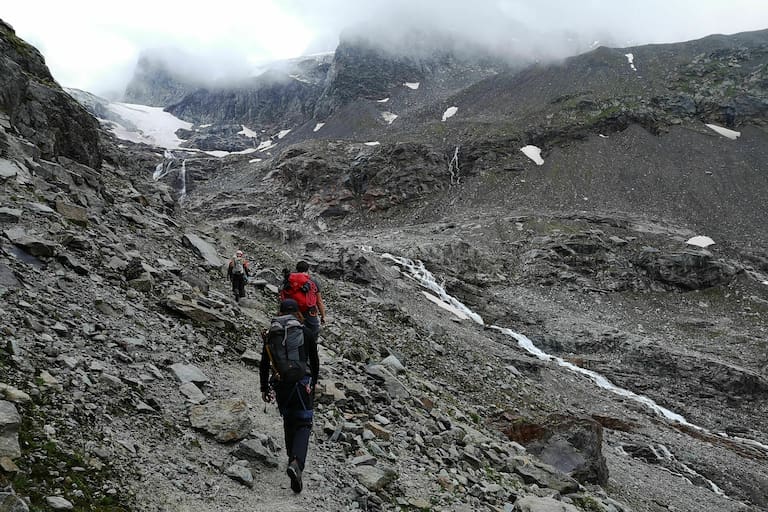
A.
pixel 284 343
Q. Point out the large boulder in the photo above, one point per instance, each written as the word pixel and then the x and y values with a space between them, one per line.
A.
pixel 203 249
pixel 226 420
pixel 572 445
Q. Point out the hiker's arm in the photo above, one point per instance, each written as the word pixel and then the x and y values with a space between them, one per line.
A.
pixel 246 269
pixel 321 306
pixel 229 271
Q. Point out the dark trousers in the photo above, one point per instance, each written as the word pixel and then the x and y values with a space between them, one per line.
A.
pixel 295 405
pixel 238 285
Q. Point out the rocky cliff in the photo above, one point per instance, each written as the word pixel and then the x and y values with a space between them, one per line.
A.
pixel 37 108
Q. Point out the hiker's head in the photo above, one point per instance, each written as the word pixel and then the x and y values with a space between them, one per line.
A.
pixel 239 254
pixel 302 266
pixel 289 307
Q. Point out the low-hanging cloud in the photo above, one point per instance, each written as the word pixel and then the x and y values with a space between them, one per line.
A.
pixel 90 47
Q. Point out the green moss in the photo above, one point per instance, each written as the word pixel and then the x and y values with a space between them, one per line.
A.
pixel 46 466
pixel 588 504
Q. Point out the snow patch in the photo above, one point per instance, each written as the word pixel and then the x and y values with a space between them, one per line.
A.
pixel 153 125
pixel 725 132
pixel 265 145
pixel 631 59
pixel 254 160
pixel 318 126
pixel 372 143
pixel 389 117
pixel 283 133
pixel 603 136
pixel 208 125
pixel 412 85
pixel 248 132
pixel 437 300
pixel 534 153
pixel 765 283
pixel 450 112
pixel 700 241
pixel 382 101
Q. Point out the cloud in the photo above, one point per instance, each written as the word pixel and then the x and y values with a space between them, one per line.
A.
pixel 95 48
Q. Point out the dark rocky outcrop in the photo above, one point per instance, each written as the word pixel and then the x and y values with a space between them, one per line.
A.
pixel 39 109
pixel 690 269
pixel 571 444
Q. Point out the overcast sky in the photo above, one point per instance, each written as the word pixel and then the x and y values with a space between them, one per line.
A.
pixel 94 45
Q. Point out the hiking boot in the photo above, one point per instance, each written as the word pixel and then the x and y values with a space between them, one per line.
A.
pixel 294 472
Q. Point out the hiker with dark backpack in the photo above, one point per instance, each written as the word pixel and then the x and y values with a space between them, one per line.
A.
pixel 237 272
pixel 290 367
pixel 305 290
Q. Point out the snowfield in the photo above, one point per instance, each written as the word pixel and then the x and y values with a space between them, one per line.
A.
pixel 534 153
pixel 450 112
pixel 154 126
pixel 725 132
pixel 700 241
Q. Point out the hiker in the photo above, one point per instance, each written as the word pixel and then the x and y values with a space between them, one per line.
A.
pixel 305 290
pixel 289 367
pixel 237 272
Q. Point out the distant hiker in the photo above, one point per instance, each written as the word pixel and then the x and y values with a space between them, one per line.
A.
pixel 237 272
pixel 305 290
pixel 290 366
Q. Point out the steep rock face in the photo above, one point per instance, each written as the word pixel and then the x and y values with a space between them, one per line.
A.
pixel 155 84
pixel 274 100
pixel 332 184
pixel 39 109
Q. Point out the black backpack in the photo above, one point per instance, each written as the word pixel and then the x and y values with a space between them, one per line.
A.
pixel 284 343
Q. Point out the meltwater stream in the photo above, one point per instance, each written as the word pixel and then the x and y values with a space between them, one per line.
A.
pixel 417 271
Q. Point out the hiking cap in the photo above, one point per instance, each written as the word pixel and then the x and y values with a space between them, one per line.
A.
pixel 239 253
pixel 289 306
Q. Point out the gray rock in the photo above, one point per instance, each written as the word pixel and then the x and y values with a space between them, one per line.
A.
pixel 8 280
pixel 226 420
pixel 196 312
pixel 188 373
pixel 75 214
pixel 9 430
pixel 374 478
pixel 254 450
pixel 537 504
pixel 203 249
pixel 10 502
pixel 192 392
pixel 392 385
pixel 241 473
pixel 59 503
pixel 542 475
pixel 10 215
pixel 33 245
pixel 41 208
pixel 251 356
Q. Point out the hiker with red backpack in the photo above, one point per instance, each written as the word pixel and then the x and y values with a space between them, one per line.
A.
pixel 290 367
pixel 305 290
pixel 237 272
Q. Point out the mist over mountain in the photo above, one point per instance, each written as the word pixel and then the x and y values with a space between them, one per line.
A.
pixel 546 276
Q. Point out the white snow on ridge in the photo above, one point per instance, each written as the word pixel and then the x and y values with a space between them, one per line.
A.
pixel 248 132
pixel 372 143
pixel 725 132
pixel 283 133
pixel 412 85
pixel 700 241
pixel 154 125
pixel 254 160
pixel 631 59
pixel 318 126
pixel 389 117
pixel 208 125
pixel 450 112
pixel 534 153
pixel 382 101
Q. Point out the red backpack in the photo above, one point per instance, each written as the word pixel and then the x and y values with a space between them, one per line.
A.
pixel 299 287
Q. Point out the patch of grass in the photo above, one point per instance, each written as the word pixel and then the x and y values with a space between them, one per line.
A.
pixel 587 503
pixel 46 466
